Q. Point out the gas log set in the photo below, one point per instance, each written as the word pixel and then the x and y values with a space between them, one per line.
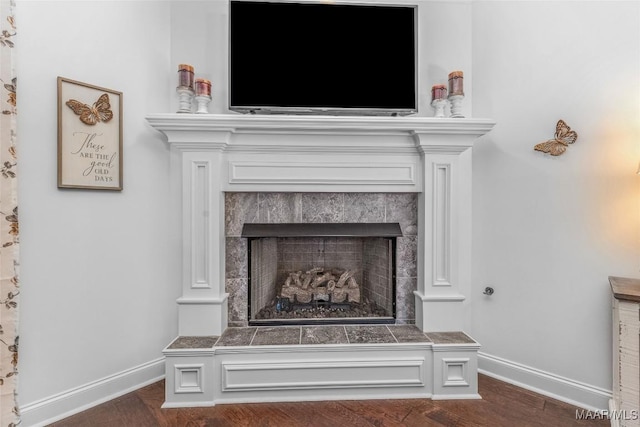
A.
pixel 321 284
pixel 320 293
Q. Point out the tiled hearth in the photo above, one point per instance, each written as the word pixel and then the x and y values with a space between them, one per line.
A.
pixel 321 335
pixel 231 169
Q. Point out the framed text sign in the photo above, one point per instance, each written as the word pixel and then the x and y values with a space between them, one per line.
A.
pixel 89 136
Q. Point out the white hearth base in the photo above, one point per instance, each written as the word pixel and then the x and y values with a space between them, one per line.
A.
pixel 290 373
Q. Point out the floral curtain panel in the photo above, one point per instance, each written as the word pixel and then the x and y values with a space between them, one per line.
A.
pixel 9 288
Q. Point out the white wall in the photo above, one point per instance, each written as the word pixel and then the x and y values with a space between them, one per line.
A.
pixel 549 231
pixel 200 38
pixel 99 270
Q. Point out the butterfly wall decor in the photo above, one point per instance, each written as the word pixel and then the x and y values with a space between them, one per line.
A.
pixel 100 111
pixel 90 136
pixel 561 140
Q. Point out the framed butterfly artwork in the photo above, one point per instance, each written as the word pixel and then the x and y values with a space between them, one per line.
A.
pixel 89 136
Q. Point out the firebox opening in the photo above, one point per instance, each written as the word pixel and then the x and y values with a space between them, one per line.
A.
pixel 321 273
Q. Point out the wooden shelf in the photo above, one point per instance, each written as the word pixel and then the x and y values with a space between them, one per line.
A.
pixel 625 289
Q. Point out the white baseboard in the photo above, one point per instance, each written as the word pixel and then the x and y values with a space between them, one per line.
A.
pixel 560 388
pixel 70 402
pixel 473 396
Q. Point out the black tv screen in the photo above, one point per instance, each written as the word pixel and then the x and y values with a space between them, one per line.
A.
pixel 320 57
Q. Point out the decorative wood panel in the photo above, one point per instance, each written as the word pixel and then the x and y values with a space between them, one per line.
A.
pixel 200 202
pixel 189 378
pixel 455 372
pixel 320 375
pixel 321 172
pixel 441 224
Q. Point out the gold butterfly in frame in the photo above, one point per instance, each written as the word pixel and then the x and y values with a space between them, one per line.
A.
pixel 100 111
pixel 561 140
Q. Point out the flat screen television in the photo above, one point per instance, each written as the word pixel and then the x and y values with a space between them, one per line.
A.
pixel 322 58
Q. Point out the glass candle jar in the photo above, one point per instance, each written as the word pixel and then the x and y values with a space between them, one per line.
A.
pixel 185 76
pixel 455 83
pixel 438 92
pixel 203 87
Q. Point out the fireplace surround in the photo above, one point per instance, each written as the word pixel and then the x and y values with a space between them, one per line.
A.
pixel 214 156
pixel 243 208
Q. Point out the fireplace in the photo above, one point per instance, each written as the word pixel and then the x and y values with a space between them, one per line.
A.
pixel 325 162
pixel 228 170
pixel 320 216
pixel 305 273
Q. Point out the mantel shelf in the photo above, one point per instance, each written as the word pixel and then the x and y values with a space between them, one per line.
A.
pixel 303 124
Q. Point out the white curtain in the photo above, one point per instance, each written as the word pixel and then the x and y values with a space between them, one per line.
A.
pixel 9 284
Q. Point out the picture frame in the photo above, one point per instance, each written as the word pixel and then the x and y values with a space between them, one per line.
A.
pixel 89 136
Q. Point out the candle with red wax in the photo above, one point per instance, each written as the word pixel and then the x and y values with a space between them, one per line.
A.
pixel 455 83
pixel 185 76
pixel 203 87
pixel 438 92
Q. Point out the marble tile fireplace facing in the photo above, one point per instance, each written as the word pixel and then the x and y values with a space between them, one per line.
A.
pixel 325 208
pixel 229 169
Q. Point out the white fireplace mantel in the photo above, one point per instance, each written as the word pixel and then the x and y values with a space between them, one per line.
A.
pixel 216 153
pixel 197 131
pixel 213 154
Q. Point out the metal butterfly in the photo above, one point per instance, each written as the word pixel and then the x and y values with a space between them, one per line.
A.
pixel 99 112
pixel 558 145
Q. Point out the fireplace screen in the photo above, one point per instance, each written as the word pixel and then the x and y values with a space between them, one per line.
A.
pixel 321 273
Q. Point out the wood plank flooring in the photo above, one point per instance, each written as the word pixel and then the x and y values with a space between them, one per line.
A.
pixel 502 405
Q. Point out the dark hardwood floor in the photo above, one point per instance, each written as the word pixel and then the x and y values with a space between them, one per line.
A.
pixel 502 405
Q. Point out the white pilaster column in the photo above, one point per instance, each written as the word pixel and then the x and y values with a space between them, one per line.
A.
pixel 202 308
pixel 444 243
